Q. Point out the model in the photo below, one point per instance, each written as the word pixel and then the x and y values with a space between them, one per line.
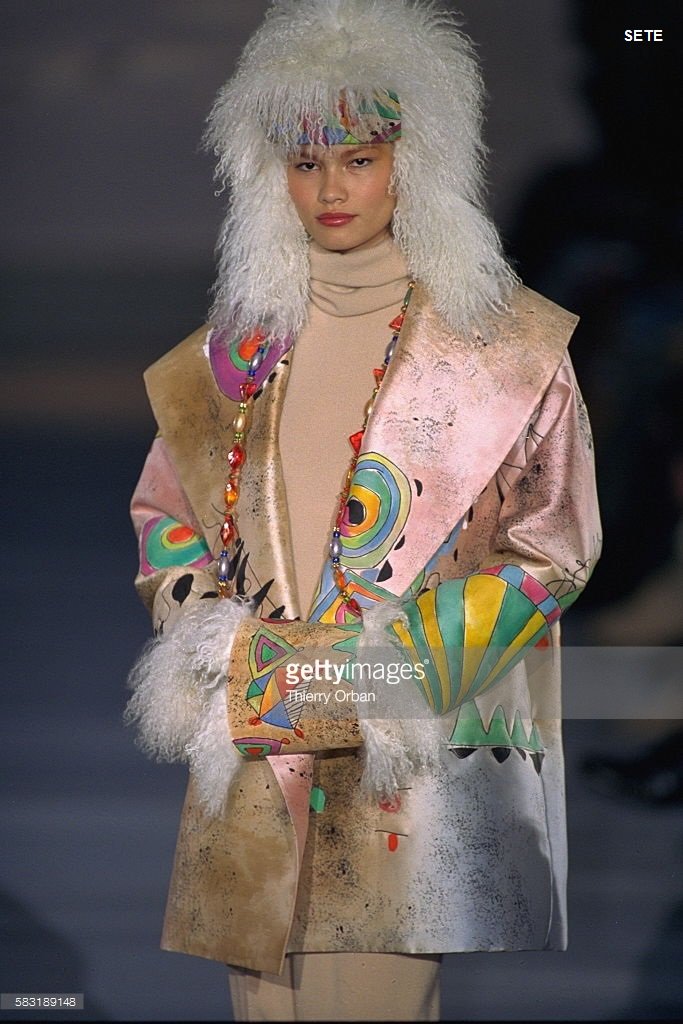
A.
pixel 376 443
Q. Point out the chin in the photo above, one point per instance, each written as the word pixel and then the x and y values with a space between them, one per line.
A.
pixel 338 243
pixel 334 238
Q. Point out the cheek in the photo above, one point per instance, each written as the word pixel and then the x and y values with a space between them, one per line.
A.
pixel 378 201
pixel 389 204
pixel 298 192
pixel 376 192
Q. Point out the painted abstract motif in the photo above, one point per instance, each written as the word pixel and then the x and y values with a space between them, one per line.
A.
pixel 470 734
pixel 274 685
pixel 568 588
pixel 528 585
pixel 276 698
pixel 519 457
pixel 375 516
pixel 258 746
pixel 165 542
pixel 270 692
pixel 376 511
pixel 175 592
pixel 329 607
pixel 229 359
pixel 467 633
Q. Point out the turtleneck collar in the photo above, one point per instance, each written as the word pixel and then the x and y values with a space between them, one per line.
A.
pixel 357 282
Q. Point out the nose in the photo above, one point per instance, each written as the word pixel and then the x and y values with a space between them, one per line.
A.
pixel 332 189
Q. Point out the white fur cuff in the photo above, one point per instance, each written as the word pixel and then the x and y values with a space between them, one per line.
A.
pixel 179 698
pixel 394 748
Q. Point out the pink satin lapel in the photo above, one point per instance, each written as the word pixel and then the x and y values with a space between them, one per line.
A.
pixel 450 409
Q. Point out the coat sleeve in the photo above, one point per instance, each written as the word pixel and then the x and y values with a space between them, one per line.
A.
pixel 178 704
pixel 174 568
pixel 463 636
pixel 473 630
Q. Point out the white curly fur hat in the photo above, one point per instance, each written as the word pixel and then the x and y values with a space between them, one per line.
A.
pixel 297 63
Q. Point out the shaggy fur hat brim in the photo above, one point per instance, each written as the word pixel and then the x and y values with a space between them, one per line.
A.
pixel 295 66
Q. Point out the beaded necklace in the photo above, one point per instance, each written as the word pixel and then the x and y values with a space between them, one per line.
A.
pixel 254 349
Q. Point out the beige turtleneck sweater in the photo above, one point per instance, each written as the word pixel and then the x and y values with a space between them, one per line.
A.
pixel 353 298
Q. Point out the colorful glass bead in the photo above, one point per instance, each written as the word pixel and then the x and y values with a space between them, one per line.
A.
pixel 390 348
pixel 223 567
pixel 335 547
pixel 239 422
pixel 228 531
pixel 397 323
pixel 379 372
pixel 355 440
pixel 353 606
pixel 339 578
pixel 255 361
pixel 248 388
pixel 236 456
pixel 231 494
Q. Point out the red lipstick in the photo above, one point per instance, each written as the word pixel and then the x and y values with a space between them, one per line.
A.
pixel 335 220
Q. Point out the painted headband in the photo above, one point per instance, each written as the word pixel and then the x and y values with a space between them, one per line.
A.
pixel 376 120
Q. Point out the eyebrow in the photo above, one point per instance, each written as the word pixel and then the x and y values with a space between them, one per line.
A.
pixel 304 152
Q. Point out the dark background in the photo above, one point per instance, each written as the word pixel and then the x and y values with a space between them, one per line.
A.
pixel 108 226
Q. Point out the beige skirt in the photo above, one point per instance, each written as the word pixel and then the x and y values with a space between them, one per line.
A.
pixel 339 987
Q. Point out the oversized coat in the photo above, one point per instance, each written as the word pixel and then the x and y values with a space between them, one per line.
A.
pixel 478 456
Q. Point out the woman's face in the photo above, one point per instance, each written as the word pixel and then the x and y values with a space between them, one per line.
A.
pixel 341 193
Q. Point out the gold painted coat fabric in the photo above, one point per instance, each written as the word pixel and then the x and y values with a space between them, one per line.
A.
pixel 483 445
